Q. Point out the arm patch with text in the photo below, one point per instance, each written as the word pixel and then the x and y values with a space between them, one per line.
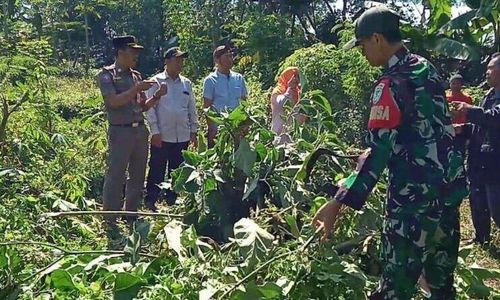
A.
pixel 384 112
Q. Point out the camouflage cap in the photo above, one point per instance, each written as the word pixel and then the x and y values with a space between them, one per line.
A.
pixel 378 19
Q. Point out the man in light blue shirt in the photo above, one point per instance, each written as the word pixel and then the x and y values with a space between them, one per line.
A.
pixel 223 89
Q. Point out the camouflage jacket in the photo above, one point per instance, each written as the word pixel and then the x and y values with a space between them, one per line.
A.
pixel 410 132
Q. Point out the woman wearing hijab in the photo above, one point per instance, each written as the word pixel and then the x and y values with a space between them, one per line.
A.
pixel 288 89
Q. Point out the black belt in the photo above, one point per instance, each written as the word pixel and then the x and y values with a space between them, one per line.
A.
pixel 134 124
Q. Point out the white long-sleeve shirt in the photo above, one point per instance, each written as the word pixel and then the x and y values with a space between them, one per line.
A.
pixel 174 117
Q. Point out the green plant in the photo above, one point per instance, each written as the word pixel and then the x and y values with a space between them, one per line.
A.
pixel 344 77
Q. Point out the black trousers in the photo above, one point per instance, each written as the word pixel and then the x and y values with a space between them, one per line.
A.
pixel 170 154
pixel 485 204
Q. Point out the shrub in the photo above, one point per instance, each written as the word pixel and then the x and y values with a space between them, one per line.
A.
pixel 346 79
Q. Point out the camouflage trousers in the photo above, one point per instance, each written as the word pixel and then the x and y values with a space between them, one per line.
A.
pixel 419 245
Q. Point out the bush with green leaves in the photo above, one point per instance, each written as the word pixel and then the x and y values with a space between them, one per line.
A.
pixel 345 77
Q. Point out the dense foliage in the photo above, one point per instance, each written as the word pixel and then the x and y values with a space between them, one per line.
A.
pixel 345 78
pixel 53 149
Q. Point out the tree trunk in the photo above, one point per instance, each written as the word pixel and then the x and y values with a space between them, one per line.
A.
pixel 6 113
pixel 344 9
pixel 3 123
pixel 303 24
pixel 496 30
pixel 87 44
pixel 329 7
pixel 311 21
pixel 5 19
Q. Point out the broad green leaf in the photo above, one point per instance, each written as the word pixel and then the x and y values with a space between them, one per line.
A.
pixel 133 247
pixel 451 48
pixel 245 157
pixel 214 116
pixel 479 290
pixel 303 79
pixel 210 184
pixel 270 290
pixel 180 177
pixel 194 175
pixel 61 279
pixel 237 116
pixel 154 267
pixel 318 97
pixel 484 273
pixel 465 251
pixel 250 292
pixel 192 158
pixel 310 161
pixel 202 142
pixel 261 150
pixel 125 280
pixel 127 286
pixel 64 205
pixel 254 242
pixel 98 261
pixel 250 186
pixel 3 257
pixel 143 228
pixel 292 222
pixel 461 21
pixel 89 120
pixel 119 267
pixel 440 13
pixel 218 175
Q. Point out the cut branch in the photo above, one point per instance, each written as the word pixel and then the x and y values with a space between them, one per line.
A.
pixel 65 252
pixel 101 212
pixel 275 258
pixel 71 252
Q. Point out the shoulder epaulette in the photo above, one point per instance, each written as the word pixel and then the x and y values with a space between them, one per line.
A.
pixel 109 68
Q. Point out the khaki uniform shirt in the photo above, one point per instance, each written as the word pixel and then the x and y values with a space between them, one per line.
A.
pixel 115 80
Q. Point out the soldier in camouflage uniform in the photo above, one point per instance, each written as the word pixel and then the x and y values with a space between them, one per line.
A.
pixel 410 132
pixel 123 91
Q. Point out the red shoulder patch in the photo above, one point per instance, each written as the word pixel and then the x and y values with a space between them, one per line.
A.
pixel 384 112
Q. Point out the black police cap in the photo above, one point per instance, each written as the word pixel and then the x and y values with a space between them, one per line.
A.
pixel 121 42
pixel 174 52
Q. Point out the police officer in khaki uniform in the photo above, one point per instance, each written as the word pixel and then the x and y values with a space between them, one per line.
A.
pixel 123 92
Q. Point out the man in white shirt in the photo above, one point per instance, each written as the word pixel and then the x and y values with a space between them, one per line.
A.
pixel 174 123
pixel 223 89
